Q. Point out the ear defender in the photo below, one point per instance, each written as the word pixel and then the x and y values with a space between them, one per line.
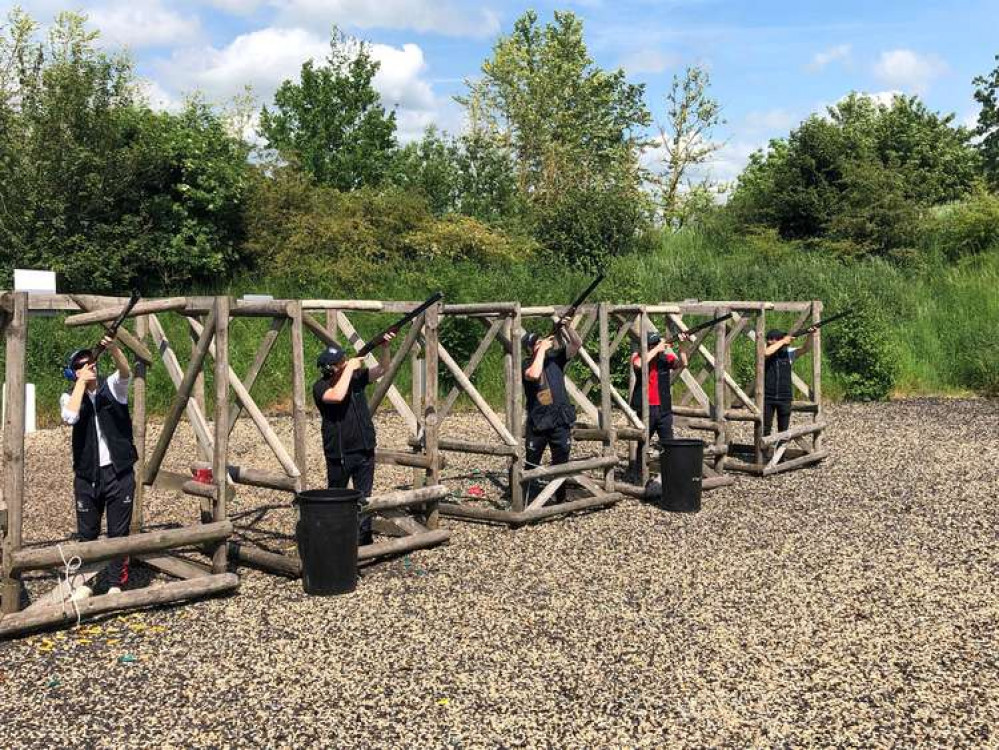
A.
pixel 69 372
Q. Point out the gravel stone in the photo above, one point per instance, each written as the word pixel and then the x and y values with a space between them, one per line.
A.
pixel 853 604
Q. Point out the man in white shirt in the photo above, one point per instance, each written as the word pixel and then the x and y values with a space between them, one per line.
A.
pixel 103 452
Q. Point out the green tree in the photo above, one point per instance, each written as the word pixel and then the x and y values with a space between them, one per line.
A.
pixel 97 186
pixel 430 166
pixel 332 123
pixel 685 136
pixel 860 177
pixel 987 95
pixel 471 175
pixel 572 128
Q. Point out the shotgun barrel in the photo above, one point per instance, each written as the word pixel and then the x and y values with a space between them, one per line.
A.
pixel 395 327
pixel 830 319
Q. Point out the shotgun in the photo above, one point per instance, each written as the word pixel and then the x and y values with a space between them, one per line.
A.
pixel 830 319
pixel 112 330
pixel 570 312
pixel 696 329
pixel 395 327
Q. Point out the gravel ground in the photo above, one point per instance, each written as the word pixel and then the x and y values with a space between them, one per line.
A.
pixel 851 605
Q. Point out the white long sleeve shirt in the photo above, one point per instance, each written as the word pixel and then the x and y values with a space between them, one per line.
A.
pixel 119 389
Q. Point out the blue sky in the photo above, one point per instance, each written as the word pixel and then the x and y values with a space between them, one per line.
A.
pixel 772 62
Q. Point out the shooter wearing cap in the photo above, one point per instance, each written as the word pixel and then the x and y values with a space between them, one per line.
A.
pixel 348 430
pixel 662 360
pixel 777 386
pixel 550 415
pixel 103 452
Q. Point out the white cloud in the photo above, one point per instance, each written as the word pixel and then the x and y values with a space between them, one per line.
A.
pixel 907 70
pixel 770 120
pixel 839 53
pixel 157 97
pixel 240 7
pixel 649 61
pixel 142 24
pixel 265 58
pixel 441 16
pixel 728 162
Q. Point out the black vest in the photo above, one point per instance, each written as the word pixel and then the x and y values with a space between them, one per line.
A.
pixel 665 391
pixel 777 376
pixel 559 412
pixel 116 424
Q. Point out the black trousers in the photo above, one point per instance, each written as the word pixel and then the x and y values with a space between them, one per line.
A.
pixel 783 411
pixel 111 494
pixel 559 439
pixel 661 423
pixel 358 468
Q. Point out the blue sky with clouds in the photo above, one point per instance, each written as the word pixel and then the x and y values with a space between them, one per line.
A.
pixel 772 61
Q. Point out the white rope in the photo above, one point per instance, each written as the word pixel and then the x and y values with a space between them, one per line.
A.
pixel 71 567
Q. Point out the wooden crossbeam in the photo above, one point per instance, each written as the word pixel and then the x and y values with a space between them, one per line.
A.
pixel 263 351
pixel 709 358
pixel 547 493
pixel 180 403
pixel 172 365
pixel 618 399
pixel 473 363
pixel 396 398
pixel 263 426
pixel 483 406
pixel 388 377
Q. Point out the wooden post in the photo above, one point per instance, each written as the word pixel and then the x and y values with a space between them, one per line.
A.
pixel 418 370
pixel 13 450
pixel 643 383
pixel 181 401
pixel 817 373
pixel 634 448
pixel 516 388
pixel 220 462
pixel 606 387
pixel 299 415
pixel 431 321
pixel 139 427
pixel 198 391
pixel 331 324
pixel 721 356
pixel 761 344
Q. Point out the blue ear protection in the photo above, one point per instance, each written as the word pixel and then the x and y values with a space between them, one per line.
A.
pixel 68 372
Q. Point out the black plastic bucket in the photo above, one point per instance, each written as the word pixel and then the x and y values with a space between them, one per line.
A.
pixel 327 540
pixel 681 463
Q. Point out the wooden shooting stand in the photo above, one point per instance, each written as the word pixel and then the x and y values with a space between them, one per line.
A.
pixel 156 547
pixel 699 389
pixel 503 324
pixel 409 516
pixel 799 446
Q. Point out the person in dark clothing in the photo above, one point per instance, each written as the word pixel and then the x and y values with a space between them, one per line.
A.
pixel 348 431
pixel 103 453
pixel 662 360
pixel 550 415
pixel 778 390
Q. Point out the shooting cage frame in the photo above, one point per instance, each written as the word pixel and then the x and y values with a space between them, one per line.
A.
pixel 707 398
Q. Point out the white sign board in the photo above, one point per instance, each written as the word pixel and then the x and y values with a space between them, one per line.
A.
pixel 40 282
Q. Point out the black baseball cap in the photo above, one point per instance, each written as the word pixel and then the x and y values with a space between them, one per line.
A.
pixel 330 356
pixel 528 340
pixel 653 338
pixel 774 334
pixel 79 358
